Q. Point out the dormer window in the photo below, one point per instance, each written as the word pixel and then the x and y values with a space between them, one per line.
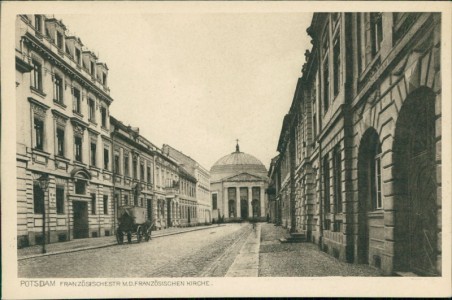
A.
pixel 92 68
pixel 78 55
pixel 59 39
pixel 104 78
pixel 38 23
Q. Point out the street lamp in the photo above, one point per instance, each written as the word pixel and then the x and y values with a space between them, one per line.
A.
pixel 44 184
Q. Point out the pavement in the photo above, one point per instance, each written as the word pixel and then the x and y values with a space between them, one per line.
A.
pixel 301 259
pixel 95 243
pixel 246 263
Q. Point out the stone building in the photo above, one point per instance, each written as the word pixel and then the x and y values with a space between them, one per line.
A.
pixel 62 105
pixel 238 187
pixel 202 181
pixel 360 148
pixel 133 168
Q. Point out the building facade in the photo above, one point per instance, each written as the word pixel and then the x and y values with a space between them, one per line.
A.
pixel 238 187
pixel 201 178
pixel 360 148
pixel 62 104
pixel 133 169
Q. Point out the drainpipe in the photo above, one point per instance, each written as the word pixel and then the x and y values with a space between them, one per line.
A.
pixel 114 180
pixel 320 196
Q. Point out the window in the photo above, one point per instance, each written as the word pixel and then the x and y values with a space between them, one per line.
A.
pixel 359 39
pixel 148 174
pixel 39 134
pixel 104 78
pixel 38 198
pixel 38 23
pixel 60 141
pixel 60 199
pixel 103 112
pixel 325 69
pixel 126 199
pixel 105 205
pixel 126 165
pixel 78 148
pixel 337 62
pixel 142 172
pixel 93 204
pixel 135 200
pixel 77 100
pixel 57 89
pixel 135 166
pixel 326 184
pixel 106 158
pixel 80 187
pixel 60 40
pixel 36 75
pixel 92 110
pixel 116 163
pixel 78 55
pixel 337 180
pixel 92 68
pixel 378 202
pixel 214 201
pixel 93 149
pixel 376 31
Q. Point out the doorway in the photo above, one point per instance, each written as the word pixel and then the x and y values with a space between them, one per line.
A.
pixel 244 209
pixel 168 210
pixel 80 209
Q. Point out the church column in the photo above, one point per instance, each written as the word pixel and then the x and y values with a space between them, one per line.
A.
pixel 262 200
pixel 250 202
pixel 237 200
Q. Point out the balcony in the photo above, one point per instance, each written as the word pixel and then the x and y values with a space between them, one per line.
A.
pixel 172 189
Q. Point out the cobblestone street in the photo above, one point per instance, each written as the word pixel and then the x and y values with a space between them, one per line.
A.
pixel 301 259
pixel 207 252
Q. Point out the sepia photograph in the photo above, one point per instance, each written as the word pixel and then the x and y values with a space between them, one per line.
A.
pixel 178 149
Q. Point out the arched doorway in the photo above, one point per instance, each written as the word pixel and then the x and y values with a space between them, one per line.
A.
pixel 415 171
pixel 370 206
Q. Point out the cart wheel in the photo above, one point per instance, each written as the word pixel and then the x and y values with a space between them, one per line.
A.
pixel 147 234
pixel 139 234
pixel 119 237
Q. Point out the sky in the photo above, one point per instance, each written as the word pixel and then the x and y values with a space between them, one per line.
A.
pixel 199 81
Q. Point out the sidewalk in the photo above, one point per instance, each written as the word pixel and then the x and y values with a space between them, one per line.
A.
pixel 246 264
pixel 93 243
pixel 301 259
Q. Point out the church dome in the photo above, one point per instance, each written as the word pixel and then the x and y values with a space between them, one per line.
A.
pixel 237 163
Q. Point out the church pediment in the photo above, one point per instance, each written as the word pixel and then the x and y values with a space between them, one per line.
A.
pixel 244 177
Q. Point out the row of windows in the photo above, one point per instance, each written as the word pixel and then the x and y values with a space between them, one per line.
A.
pixel 58 94
pixel 74 53
pixel 38 199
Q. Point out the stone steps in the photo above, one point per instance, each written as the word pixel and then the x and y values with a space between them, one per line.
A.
pixel 295 237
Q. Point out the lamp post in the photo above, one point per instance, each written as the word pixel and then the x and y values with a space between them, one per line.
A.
pixel 44 184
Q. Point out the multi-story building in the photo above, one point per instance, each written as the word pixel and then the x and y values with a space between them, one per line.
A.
pixel 133 168
pixel 360 149
pixel 167 189
pixel 62 104
pixel 202 183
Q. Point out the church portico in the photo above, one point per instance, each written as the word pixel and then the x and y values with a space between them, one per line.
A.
pixel 239 181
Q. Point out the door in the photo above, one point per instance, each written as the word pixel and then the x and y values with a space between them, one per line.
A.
pixel 149 209
pixel 80 209
pixel 168 209
pixel 244 209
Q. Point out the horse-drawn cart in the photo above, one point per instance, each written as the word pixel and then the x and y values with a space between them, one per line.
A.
pixel 132 222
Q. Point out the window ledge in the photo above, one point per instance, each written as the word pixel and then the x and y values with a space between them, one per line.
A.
pixel 93 122
pixel 41 152
pixel 369 67
pixel 77 114
pixel 78 163
pixel 104 128
pixel 59 157
pixel 92 167
pixel 37 91
pixel 59 104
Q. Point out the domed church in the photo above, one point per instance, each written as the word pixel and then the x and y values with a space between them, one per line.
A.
pixel 238 182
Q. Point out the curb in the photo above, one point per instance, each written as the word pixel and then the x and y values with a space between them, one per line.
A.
pixel 108 244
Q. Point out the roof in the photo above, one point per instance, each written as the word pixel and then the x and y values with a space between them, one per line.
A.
pixel 237 163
